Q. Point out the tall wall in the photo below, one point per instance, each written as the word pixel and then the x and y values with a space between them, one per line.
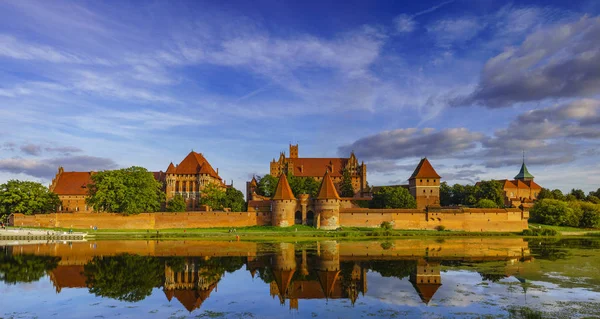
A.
pixel 144 220
pixel 509 220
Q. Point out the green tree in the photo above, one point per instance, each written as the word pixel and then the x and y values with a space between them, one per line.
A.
pixel 590 215
pixel 303 185
pixel 459 196
pixel 27 198
pixel 551 212
pixel 125 277
pixel 558 194
pixel 234 199
pixel 470 196
pixel 129 191
pixel 177 204
pixel 578 193
pixel 393 197
pixel 486 203
pixel 346 189
pixel 570 198
pixel 593 199
pixel 213 195
pixel 266 185
pixel 445 194
pixel 545 193
pixel 491 190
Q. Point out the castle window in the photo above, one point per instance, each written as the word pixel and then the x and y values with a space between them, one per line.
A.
pixel 423 191
pixel 421 180
pixel 427 181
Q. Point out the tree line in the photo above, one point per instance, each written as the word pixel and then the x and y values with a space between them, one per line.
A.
pixel 574 209
pixel 130 190
pixel 267 184
pixel 485 194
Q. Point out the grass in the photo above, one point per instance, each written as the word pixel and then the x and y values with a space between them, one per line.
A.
pixel 566 230
pixel 270 232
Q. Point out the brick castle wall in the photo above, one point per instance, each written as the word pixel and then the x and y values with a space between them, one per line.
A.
pixel 452 219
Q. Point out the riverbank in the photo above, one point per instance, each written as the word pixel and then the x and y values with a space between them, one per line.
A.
pixel 298 232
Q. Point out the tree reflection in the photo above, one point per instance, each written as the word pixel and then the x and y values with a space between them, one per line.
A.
pixel 25 268
pixel 124 277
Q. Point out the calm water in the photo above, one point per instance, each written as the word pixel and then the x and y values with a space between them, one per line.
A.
pixel 423 278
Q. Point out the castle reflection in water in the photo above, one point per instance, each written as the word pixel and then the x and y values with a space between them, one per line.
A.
pixel 190 271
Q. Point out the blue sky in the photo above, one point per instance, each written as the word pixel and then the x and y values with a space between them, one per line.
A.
pixel 93 85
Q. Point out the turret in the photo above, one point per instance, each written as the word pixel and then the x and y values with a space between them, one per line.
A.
pixel 424 185
pixel 327 205
pixel 284 204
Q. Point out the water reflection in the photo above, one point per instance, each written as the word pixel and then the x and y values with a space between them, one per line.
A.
pixel 190 271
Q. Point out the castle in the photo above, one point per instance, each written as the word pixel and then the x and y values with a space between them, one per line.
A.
pixel 187 179
pixel 314 167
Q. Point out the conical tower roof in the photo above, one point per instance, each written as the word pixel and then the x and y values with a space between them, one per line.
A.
pixel 424 170
pixel 283 190
pixel 327 189
pixel 524 173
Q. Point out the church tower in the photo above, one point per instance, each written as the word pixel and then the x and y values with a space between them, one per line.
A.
pixel 327 205
pixel 283 204
pixel 524 173
pixel 424 185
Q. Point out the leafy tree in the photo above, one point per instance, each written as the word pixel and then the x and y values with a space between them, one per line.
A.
pixel 578 193
pixel 596 193
pixel 346 189
pixel 545 193
pixel 558 194
pixel 266 185
pixel 177 204
pixel 486 203
pixel 446 195
pixel 593 199
pixel 25 268
pixel 129 190
pixel 125 277
pixel 570 198
pixel 393 197
pixel 213 195
pixel 303 185
pixel 491 190
pixel 551 212
pixel 234 199
pixel 590 215
pixel 27 198
pixel 311 186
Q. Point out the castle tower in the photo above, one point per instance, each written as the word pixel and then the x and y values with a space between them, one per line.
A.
pixel 424 185
pixel 284 204
pixel 251 187
pixel 328 265
pixel 293 151
pixel 327 205
pixel 283 267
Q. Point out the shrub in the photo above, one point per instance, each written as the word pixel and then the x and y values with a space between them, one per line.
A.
pixel 440 227
pixel 590 215
pixel 387 226
pixel 486 203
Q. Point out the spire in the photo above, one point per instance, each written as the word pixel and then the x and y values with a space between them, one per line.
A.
pixel 424 169
pixel 283 190
pixel 524 174
pixel 327 189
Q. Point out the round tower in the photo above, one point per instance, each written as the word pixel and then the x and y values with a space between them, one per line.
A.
pixel 283 204
pixel 327 205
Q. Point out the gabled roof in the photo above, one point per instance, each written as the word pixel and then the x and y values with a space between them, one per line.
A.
pixel 193 299
pixel 68 276
pixel 532 184
pixel 283 190
pixel 195 163
pixel 524 173
pixel 506 184
pixel 159 176
pixel 424 170
pixel 327 189
pixel 72 183
pixel 171 169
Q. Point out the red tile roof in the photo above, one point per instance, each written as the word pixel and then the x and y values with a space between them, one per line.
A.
pixel 195 163
pixel 314 167
pixel 327 189
pixel 283 190
pixel 171 169
pixel 424 170
pixel 426 291
pixel 532 184
pixel 159 176
pixel 72 183
pixel 193 299
pixel 68 276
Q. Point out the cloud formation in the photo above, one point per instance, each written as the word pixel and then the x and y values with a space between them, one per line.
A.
pixel 555 62
pixel 47 168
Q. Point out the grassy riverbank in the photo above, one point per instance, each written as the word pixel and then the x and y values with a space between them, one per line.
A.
pixel 299 232
pixel 269 232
